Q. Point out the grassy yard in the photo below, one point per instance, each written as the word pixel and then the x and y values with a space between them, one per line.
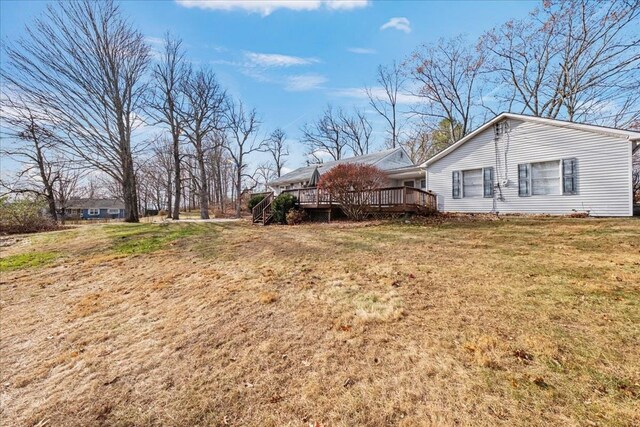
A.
pixel 514 322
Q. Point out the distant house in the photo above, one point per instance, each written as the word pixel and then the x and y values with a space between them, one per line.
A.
pixel 396 163
pixel 94 209
pixel 522 164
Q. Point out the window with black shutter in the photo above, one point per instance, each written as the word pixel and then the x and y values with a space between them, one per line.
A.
pixel 570 176
pixel 455 178
pixel 524 181
pixel 488 181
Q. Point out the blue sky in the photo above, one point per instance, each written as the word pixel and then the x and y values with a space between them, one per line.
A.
pixel 289 59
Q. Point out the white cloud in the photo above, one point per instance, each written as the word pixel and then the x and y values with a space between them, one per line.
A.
pixel 362 50
pixel 266 7
pixel 278 60
pixel 304 82
pixel 377 92
pixel 399 23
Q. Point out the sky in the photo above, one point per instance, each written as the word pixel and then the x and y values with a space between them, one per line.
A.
pixel 289 58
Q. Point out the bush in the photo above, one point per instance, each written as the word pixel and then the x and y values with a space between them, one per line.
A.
pixel 349 184
pixel 24 216
pixel 254 200
pixel 296 216
pixel 281 206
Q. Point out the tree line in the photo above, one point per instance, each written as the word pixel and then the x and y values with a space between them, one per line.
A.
pixel 576 61
pixel 82 89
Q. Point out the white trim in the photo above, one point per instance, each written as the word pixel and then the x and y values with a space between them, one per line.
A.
pixel 89 210
pixel 630 135
pixel 110 211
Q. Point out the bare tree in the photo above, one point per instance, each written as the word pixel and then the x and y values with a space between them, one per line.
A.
pixel 83 63
pixel 242 127
pixel 263 174
pixel 325 136
pixel 29 142
pixel 67 186
pixel 384 100
pixel 203 115
pixel 575 60
pixel 277 148
pixel 447 74
pixel 167 102
pixel 356 130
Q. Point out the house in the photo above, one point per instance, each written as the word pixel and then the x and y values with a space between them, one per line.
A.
pixel 94 209
pixel 403 192
pixel 521 164
pixel 395 162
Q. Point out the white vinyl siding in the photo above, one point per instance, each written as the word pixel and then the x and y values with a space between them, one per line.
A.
pixel 603 170
pixel 472 183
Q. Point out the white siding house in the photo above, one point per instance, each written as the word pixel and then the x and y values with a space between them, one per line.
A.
pixel 522 164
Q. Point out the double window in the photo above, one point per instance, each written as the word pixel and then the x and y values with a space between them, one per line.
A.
pixel 113 211
pixel 473 183
pixel 548 178
pixel 94 211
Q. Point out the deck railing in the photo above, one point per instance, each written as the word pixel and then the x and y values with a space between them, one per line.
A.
pixel 380 198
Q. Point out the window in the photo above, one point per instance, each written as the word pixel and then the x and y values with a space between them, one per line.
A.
pixel 423 184
pixel 455 186
pixel 408 184
pixel 545 178
pixel 113 211
pixel 472 183
pixel 94 211
pixel 570 176
pixel 488 181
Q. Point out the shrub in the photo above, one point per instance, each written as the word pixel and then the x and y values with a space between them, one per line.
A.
pixel 296 216
pixel 348 185
pixel 281 205
pixel 24 216
pixel 254 200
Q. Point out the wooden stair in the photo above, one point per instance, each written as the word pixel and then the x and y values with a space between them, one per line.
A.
pixel 262 212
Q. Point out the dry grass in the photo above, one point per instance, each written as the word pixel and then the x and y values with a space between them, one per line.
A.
pixel 512 322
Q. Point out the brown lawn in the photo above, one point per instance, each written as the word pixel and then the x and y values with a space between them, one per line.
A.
pixel 521 321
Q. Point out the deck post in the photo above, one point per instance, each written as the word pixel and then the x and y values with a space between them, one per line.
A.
pixel 317 197
pixel 404 198
pixel 379 199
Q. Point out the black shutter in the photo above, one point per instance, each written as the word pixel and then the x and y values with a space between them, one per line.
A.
pixel 570 176
pixel 488 181
pixel 524 170
pixel 455 184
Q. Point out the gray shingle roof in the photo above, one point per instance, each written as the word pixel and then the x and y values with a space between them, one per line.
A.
pixel 304 173
pixel 95 204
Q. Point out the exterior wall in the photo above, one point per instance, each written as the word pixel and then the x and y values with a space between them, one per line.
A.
pixel 604 170
pixel 400 182
pixel 103 214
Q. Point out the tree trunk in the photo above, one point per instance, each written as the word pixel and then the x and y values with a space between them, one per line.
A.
pixel 129 195
pixel 177 183
pixel 169 205
pixel 238 191
pixel 204 187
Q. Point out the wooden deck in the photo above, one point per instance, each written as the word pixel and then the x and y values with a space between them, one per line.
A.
pixel 377 200
pixel 388 199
